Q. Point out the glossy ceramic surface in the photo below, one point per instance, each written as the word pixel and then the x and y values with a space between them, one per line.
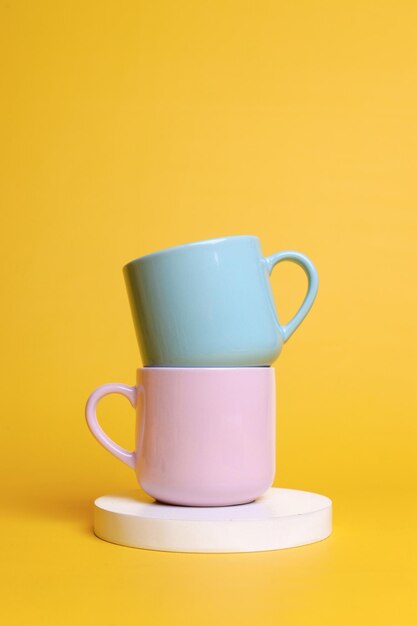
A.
pixel 204 436
pixel 210 304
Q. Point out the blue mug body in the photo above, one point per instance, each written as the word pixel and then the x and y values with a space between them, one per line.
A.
pixel 210 303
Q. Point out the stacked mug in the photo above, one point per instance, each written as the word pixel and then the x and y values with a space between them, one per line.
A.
pixel 208 333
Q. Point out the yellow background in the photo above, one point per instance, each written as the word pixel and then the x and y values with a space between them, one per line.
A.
pixel 127 127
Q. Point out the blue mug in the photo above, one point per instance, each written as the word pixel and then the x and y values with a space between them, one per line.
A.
pixel 210 303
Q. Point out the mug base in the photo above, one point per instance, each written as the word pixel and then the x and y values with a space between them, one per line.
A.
pixel 204 505
pixel 281 518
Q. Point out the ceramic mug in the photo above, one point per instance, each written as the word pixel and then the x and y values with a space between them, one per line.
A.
pixel 204 436
pixel 210 303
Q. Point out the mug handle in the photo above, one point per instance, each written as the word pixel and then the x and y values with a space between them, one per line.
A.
pixel 90 413
pixel 313 284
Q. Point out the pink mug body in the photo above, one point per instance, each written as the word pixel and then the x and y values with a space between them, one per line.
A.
pixel 204 436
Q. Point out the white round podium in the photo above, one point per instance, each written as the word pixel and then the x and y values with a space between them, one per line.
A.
pixel 281 518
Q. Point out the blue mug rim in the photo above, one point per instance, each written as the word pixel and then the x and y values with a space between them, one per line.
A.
pixel 192 244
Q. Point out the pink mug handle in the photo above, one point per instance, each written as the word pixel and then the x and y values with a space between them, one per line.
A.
pixel 90 413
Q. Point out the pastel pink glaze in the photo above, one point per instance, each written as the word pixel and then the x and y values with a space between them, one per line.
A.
pixel 204 436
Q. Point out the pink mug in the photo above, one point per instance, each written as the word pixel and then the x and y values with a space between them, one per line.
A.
pixel 204 436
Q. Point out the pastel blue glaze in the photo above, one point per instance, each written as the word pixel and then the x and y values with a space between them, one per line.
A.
pixel 210 303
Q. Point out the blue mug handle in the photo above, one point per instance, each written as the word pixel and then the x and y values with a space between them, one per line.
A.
pixel 313 284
